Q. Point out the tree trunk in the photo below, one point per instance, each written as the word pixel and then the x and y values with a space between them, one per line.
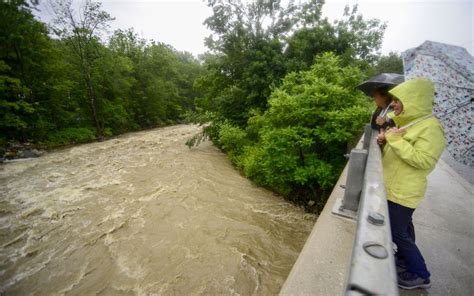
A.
pixel 93 103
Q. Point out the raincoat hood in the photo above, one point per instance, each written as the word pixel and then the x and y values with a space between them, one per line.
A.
pixel 416 96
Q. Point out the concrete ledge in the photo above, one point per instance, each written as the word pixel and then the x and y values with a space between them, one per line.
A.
pixel 323 265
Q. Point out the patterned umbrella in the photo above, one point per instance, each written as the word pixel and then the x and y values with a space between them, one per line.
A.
pixel 380 80
pixel 451 68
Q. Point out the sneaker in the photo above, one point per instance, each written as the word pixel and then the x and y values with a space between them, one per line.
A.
pixel 409 281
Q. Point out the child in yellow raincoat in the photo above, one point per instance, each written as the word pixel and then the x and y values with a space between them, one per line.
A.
pixel 411 152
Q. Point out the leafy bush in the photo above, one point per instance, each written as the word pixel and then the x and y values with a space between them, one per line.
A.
pixel 70 136
pixel 232 139
pixel 304 133
pixel 211 123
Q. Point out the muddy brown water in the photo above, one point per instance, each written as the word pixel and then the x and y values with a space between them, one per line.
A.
pixel 143 215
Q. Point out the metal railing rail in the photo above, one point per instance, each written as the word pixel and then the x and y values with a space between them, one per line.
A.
pixel 372 270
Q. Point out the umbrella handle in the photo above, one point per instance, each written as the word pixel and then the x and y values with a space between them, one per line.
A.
pixel 384 111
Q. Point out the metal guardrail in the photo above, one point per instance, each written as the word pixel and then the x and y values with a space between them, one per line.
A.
pixel 373 266
pixel 372 270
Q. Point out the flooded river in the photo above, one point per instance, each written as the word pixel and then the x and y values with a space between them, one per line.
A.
pixel 143 214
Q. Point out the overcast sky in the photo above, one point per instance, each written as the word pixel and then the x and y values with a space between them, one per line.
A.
pixel 180 22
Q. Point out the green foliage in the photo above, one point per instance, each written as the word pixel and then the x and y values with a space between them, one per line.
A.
pixel 392 63
pixel 352 38
pixel 54 90
pixel 196 139
pixel 81 34
pixel 254 45
pixel 232 140
pixel 161 79
pixel 12 111
pixel 296 147
pixel 70 135
pixel 20 62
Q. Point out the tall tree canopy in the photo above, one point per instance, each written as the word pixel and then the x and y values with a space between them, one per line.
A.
pixel 26 53
pixel 255 44
pixel 391 63
pixel 81 33
pixel 77 87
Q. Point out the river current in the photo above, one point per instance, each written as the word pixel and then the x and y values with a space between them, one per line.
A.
pixel 142 214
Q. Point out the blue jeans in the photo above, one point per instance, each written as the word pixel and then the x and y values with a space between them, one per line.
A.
pixel 403 235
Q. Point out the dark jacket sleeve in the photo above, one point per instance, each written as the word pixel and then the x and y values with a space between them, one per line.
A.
pixel 389 123
pixel 374 117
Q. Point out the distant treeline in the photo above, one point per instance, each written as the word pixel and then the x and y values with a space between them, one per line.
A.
pixel 75 88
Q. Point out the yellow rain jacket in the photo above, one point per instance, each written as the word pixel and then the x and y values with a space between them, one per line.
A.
pixel 410 156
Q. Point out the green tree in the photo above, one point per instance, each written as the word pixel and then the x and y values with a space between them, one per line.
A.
pixel 296 147
pixel 391 63
pixel 114 81
pixel 28 72
pixel 161 82
pixel 13 106
pixel 299 126
pixel 352 37
pixel 59 91
pixel 246 48
pixel 254 45
pixel 82 34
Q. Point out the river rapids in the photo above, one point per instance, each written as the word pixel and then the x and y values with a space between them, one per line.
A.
pixel 142 214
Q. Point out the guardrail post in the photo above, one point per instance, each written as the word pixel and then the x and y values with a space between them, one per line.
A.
pixel 349 204
pixel 367 136
pixel 355 179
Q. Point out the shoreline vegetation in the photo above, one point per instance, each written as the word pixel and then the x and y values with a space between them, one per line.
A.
pixel 24 150
pixel 277 97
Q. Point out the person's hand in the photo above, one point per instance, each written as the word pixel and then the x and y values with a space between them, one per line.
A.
pixel 381 137
pixel 380 120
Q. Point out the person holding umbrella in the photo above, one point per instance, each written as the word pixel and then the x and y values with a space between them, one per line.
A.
pixel 377 87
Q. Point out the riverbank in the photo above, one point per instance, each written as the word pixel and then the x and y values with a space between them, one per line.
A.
pixel 20 151
pixel 13 150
